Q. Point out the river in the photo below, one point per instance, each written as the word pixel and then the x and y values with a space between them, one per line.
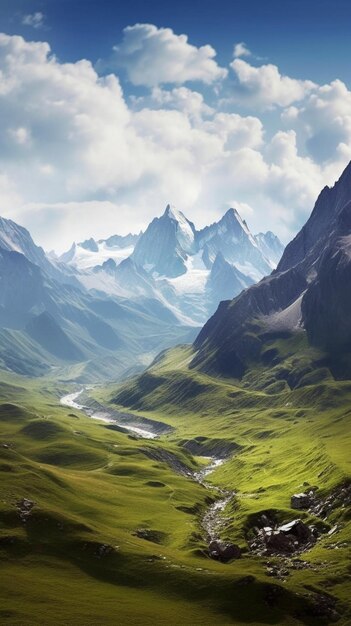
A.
pixel 212 520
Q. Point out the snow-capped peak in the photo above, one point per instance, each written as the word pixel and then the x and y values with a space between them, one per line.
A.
pixel 185 229
pixel 232 215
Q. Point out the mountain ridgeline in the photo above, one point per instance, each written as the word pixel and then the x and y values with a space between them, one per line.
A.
pixel 106 308
pixel 309 293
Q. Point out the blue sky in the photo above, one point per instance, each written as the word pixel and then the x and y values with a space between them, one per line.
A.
pixel 307 38
pixel 189 120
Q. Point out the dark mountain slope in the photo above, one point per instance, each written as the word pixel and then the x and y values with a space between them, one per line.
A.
pixel 308 291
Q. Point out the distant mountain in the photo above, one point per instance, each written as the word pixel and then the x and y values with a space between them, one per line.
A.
pixel 225 280
pixel 15 238
pixel 308 292
pixel 172 262
pixel 48 319
pixel 270 246
pixel 106 304
pixel 90 253
pixel 233 239
pixel 164 247
pixel 121 241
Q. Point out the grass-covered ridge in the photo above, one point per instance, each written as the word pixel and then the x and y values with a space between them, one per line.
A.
pixel 81 555
pixel 291 424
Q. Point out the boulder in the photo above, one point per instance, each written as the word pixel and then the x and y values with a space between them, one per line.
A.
pixel 25 508
pixel 300 501
pixel 285 539
pixel 277 541
pixel 297 528
pixel 223 551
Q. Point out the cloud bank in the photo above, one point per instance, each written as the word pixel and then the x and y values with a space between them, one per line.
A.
pixel 80 158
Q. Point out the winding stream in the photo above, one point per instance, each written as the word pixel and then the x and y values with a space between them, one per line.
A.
pixel 107 416
pixel 212 520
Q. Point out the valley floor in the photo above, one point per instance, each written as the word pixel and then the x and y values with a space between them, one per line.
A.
pixel 99 526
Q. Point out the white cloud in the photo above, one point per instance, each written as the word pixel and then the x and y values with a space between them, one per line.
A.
pixel 264 86
pixel 241 50
pixel 235 131
pixel 323 123
pixel 77 160
pixel 153 56
pixel 189 102
pixel 36 20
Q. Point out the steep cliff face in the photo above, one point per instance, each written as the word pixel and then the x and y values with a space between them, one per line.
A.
pixel 310 290
pixel 310 242
pixel 326 306
pixel 166 243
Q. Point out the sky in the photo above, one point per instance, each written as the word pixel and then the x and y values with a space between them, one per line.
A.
pixel 110 110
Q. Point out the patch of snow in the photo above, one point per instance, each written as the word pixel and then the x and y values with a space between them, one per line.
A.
pixel 195 278
pixel 86 259
pixel 185 234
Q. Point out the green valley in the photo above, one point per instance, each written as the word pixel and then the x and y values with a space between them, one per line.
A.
pixel 113 531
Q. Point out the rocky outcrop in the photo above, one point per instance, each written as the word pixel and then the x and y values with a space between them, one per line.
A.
pixel 25 507
pixel 301 501
pixel 222 551
pixel 293 537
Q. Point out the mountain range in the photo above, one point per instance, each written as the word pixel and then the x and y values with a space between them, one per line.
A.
pixel 307 295
pixel 175 263
pixel 105 308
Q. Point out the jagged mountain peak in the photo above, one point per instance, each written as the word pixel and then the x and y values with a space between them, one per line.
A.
pixel 16 238
pixel 270 246
pixel 90 244
pixel 166 244
pixel 312 238
pixel 310 285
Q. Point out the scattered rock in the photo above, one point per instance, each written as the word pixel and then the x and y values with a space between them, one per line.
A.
pixel 339 497
pixel 301 501
pixel 25 508
pixel 286 539
pixel 103 550
pixel 155 536
pixel 277 571
pixel 223 551
pixel 323 605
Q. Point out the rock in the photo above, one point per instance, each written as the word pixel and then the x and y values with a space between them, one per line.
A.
pixel 25 508
pixel 285 539
pixel 103 550
pixel 224 551
pixel 300 501
pixel 298 529
pixel 155 536
pixel 277 541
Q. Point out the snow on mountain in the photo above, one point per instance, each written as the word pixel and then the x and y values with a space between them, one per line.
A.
pixel 194 279
pixel 270 246
pixel 90 253
pixel 164 247
pixel 188 271
pixel 16 238
pixel 185 232
pixel 233 239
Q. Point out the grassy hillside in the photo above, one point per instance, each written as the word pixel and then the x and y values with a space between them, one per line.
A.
pixel 76 500
pixel 290 424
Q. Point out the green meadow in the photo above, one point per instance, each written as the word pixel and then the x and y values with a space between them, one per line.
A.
pixel 115 537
